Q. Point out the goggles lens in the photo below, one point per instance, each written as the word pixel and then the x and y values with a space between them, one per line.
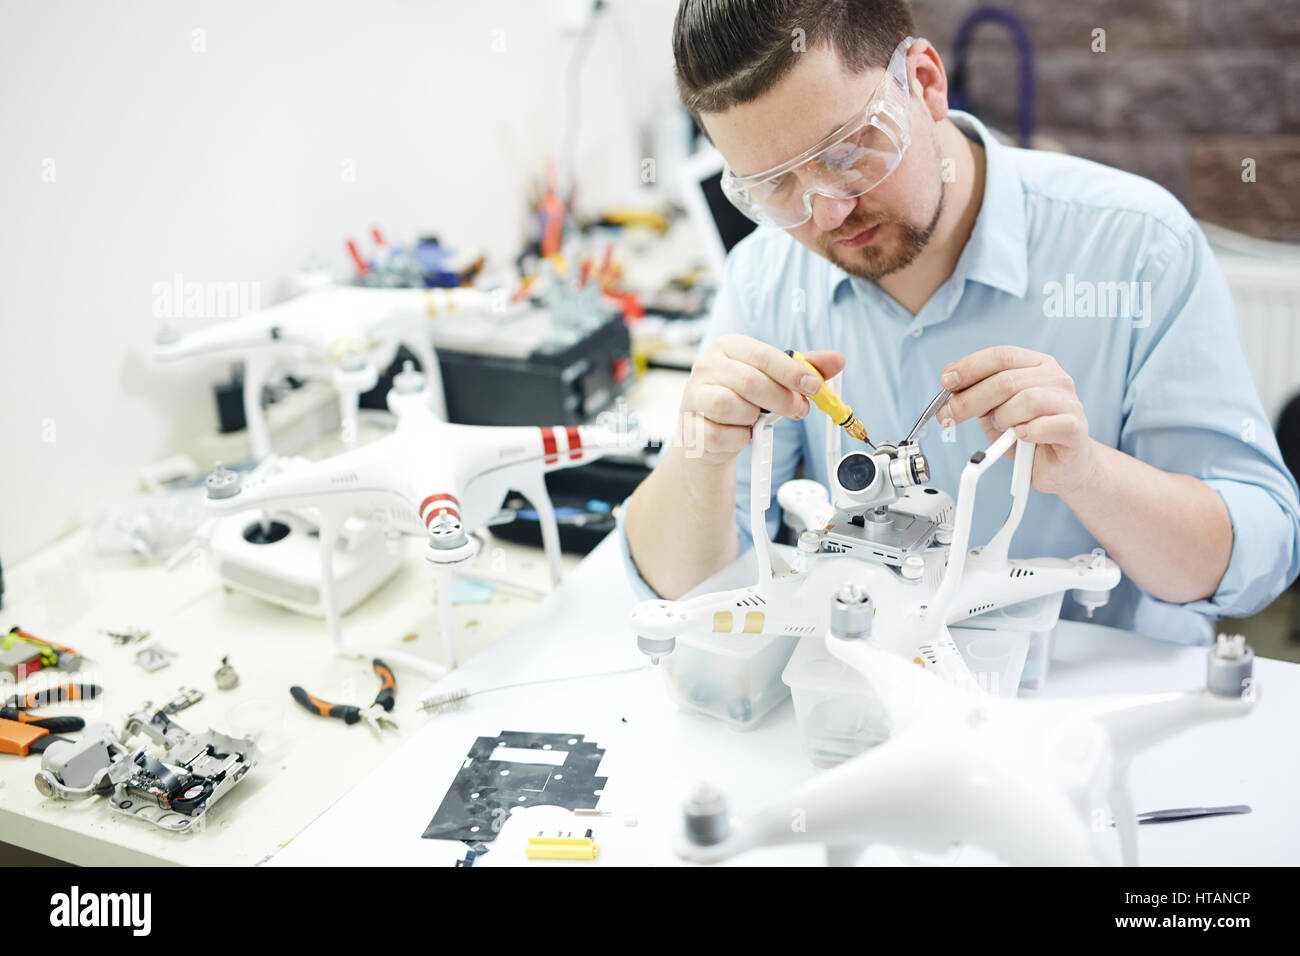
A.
pixel 854 159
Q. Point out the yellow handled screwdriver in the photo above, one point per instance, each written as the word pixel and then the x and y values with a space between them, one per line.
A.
pixel 831 403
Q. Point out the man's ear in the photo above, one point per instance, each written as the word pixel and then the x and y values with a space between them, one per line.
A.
pixel 929 79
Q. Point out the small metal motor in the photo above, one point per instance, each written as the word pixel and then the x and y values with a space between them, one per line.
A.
pixel 851 613
pixel 1229 666
pixel 706 818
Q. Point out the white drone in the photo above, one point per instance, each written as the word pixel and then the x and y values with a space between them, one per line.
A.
pixel 428 477
pixel 1037 782
pixel 893 539
pixel 346 334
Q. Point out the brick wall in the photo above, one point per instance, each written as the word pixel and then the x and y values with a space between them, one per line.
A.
pixel 1185 91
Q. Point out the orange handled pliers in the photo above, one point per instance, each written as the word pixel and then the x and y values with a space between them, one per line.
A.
pixel 376 715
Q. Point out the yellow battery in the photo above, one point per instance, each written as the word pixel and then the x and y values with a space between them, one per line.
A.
pixel 561 848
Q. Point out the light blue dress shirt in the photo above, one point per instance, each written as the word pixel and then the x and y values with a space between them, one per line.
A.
pixel 1162 375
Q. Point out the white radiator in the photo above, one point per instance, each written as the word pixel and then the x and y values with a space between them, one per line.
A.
pixel 1265 281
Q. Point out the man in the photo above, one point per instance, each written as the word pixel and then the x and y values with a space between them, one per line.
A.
pixel 1077 304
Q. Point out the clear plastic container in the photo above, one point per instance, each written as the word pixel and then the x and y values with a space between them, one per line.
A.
pixel 1038 661
pixel 838 713
pixel 734 677
pixel 1038 619
pixel 995 656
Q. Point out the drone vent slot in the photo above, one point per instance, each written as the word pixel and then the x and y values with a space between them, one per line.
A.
pixel 980 609
pixel 927 651
pixel 1022 572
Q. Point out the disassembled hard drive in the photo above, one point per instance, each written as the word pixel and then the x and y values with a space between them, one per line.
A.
pixel 174 792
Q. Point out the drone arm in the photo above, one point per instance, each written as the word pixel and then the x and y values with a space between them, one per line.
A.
pixel 923 791
pixel 907 693
pixel 1136 724
pixel 551 447
pixel 723 612
pixel 232 337
pixel 989 583
pixel 360 478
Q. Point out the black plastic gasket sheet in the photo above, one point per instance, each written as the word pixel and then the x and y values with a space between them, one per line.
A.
pixel 485 790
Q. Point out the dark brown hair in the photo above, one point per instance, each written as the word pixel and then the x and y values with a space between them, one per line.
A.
pixel 733 51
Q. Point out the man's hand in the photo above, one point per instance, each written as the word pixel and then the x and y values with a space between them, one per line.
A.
pixel 681 525
pixel 1010 387
pixel 732 381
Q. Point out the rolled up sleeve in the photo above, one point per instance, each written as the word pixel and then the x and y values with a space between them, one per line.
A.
pixel 1263 558
pixel 1191 407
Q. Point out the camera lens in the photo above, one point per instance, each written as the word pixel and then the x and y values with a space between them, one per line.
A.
pixel 856 471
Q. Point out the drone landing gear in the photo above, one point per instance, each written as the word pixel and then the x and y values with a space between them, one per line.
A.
pixel 257 369
pixel 447 551
pixel 534 489
pixel 331 521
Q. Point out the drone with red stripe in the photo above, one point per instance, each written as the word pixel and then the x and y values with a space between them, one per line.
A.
pixel 429 477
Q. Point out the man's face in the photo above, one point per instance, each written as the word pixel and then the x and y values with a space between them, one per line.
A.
pixel 880 231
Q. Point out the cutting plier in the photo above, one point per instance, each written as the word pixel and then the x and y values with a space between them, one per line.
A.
pixel 18 706
pixel 376 715
pixel 22 733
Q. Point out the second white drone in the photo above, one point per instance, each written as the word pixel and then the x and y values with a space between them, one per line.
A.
pixel 431 478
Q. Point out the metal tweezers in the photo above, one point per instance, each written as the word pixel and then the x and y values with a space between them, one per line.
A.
pixel 1191 813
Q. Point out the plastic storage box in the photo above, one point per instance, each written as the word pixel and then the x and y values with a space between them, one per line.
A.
pixel 839 714
pixel 995 656
pixel 734 677
pixel 1037 619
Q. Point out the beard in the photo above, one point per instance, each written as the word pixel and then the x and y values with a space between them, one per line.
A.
pixel 872 262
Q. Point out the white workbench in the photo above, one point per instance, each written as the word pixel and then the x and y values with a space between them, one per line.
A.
pixel 311 761
pixel 654 752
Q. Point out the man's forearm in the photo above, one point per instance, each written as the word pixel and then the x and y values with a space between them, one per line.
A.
pixel 1170 533
pixel 681 524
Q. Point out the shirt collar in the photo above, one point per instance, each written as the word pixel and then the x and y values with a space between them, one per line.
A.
pixel 997 252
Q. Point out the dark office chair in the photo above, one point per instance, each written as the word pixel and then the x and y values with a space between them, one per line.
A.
pixel 1288 439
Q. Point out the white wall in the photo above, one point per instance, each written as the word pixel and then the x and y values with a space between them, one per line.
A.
pixel 136 148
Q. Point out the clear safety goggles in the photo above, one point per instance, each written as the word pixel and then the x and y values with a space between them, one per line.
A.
pixel 850 161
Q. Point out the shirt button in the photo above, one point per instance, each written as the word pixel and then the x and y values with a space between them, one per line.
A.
pixel 916 333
